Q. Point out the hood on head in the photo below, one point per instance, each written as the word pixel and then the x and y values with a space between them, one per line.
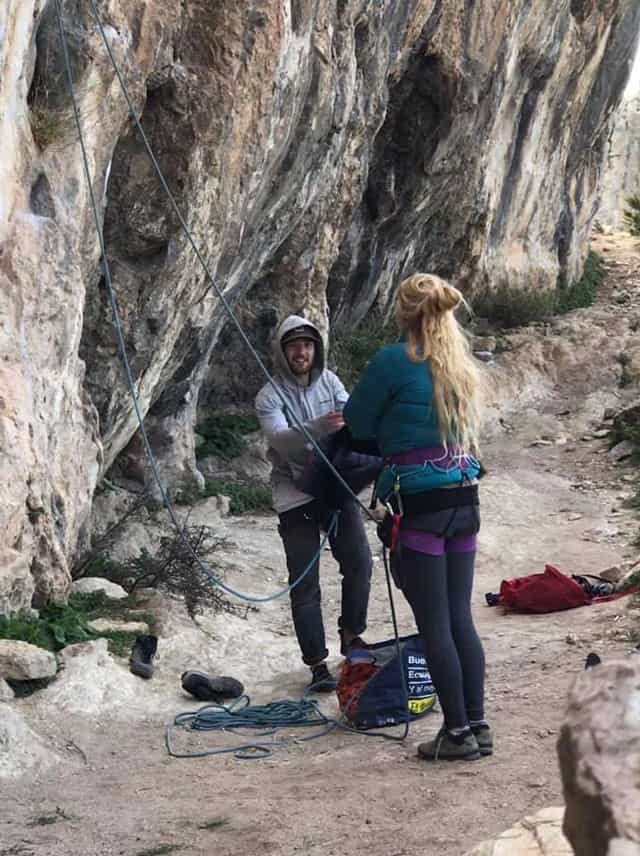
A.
pixel 282 366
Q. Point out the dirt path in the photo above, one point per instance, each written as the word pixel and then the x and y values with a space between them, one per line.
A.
pixel 348 794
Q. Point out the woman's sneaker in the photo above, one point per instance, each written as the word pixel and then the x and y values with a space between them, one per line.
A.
pixel 450 747
pixel 484 738
pixel 322 681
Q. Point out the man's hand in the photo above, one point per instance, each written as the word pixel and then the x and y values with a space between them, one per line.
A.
pixel 329 423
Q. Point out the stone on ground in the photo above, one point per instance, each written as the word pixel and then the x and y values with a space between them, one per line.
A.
pixel 6 692
pixel 599 750
pixel 21 749
pixel 108 625
pixel 89 585
pixel 21 661
pixel 537 835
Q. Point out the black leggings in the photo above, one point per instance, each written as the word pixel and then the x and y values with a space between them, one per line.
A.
pixel 438 589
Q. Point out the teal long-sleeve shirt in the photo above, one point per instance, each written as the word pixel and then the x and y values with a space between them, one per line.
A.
pixel 393 402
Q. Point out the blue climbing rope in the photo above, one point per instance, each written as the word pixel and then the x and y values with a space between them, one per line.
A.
pixel 299 424
pixel 121 340
pixel 332 527
pixel 266 719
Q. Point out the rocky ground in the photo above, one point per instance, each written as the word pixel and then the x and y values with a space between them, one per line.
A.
pixel 96 775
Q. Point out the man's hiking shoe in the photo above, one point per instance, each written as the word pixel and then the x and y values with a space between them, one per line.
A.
pixel 142 654
pixel 449 747
pixel 484 738
pixel 592 660
pixel 357 642
pixel 322 681
pixel 207 688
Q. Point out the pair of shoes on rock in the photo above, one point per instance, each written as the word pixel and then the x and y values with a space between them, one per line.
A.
pixel 322 681
pixel 199 684
pixel 209 688
pixel 474 743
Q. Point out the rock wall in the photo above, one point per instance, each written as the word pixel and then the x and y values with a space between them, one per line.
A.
pixel 318 151
pixel 622 167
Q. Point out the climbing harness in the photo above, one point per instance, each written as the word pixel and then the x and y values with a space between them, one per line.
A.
pixel 228 309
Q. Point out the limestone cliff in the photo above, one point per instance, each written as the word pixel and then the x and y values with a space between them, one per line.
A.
pixel 621 173
pixel 319 149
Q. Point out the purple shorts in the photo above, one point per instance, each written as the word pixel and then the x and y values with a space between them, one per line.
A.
pixel 451 531
pixel 437 545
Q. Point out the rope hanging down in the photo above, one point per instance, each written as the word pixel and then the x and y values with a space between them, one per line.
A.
pixel 125 360
pixel 113 302
pixel 127 366
pixel 116 313
pixel 299 424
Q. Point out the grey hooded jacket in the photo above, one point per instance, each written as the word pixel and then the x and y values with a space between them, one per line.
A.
pixel 288 447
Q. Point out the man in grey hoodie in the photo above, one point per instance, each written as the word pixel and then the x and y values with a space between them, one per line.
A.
pixel 316 396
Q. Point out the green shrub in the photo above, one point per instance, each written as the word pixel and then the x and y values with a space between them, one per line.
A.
pixel 632 214
pixel 98 566
pixel 224 434
pixel 22 626
pixel 626 375
pixel 62 624
pixel 244 496
pixel 506 306
pixel 351 351
pixel 626 425
pixel 583 291
pixel 173 568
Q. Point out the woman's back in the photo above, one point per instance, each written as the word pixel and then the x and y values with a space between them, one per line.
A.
pixel 394 402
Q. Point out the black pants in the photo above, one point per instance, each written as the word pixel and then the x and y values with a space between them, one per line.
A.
pixel 300 530
pixel 438 589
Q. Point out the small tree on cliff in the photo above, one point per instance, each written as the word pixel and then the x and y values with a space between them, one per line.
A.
pixel 632 214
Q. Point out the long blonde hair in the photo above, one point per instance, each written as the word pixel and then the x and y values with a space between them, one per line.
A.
pixel 425 313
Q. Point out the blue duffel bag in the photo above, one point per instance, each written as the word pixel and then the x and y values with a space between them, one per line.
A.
pixel 370 690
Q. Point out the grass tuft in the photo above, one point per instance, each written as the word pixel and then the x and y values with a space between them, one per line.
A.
pixel 351 351
pixel 245 496
pixel 224 435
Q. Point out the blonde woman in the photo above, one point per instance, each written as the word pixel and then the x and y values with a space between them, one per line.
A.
pixel 420 399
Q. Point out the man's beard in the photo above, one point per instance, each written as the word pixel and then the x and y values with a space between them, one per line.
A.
pixel 301 369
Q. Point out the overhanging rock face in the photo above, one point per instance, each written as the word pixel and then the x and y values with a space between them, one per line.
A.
pixel 318 151
pixel 621 170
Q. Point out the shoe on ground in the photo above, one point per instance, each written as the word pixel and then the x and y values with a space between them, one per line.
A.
pixel 484 738
pixel 322 681
pixel 142 654
pixel 356 642
pixel 208 688
pixel 592 660
pixel 447 747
